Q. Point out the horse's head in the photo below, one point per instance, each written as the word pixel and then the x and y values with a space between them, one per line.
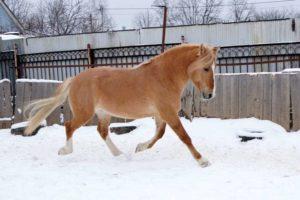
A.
pixel 201 70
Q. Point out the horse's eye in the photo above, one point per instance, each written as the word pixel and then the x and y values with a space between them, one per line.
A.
pixel 206 69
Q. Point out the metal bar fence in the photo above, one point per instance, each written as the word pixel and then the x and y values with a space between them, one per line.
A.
pixel 60 65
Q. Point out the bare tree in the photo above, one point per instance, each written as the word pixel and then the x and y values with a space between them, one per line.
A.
pixel 159 12
pixel 20 8
pixel 197 11
pixel 96 17
pixel 241 10
pixel 273 14
pixel 145 19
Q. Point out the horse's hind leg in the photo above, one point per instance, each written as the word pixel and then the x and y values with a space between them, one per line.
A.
pixel 160 130
pixel 71 126
pixel 80 118
pixel 103 124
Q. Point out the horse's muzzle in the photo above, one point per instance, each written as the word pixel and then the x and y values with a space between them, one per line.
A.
pixel 206 96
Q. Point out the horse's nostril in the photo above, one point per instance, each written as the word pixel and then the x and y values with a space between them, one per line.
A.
pixel 209 96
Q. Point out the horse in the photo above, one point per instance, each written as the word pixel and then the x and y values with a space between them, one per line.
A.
pixel 151 89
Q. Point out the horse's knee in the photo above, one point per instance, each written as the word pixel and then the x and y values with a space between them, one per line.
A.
pixel 103 131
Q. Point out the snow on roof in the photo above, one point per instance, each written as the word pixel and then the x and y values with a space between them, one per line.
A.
pixel 38 80
pixel 10 37
pixel 4 80
pixel 291 70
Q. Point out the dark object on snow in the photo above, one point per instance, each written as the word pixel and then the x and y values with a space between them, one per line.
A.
pixel 122 129
pixel 248 138
pixel 21 130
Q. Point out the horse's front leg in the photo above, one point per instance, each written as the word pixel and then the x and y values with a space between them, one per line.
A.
pixel 174 122
pixel 160 130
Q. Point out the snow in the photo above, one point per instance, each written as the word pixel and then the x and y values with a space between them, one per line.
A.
pixel 259 169
pixel 10 37
pixel 38 80
pixel 4 80
pixel 291 70
pixel 5 119
pixel 24 124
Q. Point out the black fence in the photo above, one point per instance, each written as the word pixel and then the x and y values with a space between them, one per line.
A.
pixel 258 58
pixel 60 65
pixel 7 64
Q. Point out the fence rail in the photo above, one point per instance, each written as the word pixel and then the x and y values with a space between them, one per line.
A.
pixel 60 65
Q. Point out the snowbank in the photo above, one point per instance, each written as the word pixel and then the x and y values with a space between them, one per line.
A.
pixel 10 37
pixel 4 80
pixel 259 169
pixel 38 80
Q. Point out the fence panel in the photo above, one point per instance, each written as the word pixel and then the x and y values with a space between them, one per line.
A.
pixel 27 92
pixel 270 96
pixel 295 100
pixel 258 58
pixel 5 104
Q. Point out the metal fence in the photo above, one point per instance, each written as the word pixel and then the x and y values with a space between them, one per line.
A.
pixel 6 64
pixel 258 58
pixel 60 65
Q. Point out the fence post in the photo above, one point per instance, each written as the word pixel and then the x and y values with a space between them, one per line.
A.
pixel 90 55
pixel 18 67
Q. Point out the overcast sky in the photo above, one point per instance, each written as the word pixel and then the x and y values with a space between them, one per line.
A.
pixel 125 17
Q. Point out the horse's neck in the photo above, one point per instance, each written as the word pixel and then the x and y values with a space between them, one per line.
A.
pixel 175 68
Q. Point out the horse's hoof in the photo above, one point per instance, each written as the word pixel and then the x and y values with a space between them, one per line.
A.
pixel 141 147
pixel 64 151
pixel 117 153
pixel 203 162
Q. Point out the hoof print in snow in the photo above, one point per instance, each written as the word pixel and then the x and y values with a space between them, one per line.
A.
pixel 19 129
pixel 119 130
pixel 248 138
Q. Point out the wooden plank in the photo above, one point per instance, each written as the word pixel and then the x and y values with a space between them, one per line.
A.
pixel 18 102
pixel 5 100
pixel 54 117
pixel 234 96
pixel 196 102
pixel 2 100
pixel 295 101
pixel 254 95
pixel 243 95
pixel 187 99
pixel 266 102
pixel 7 96
pixel 226 96
pixel 281 100
pixel 215 105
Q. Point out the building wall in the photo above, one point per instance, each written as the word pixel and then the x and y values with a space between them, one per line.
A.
pixel 80 41
pixel 231 34
pixel 228 34
pixel 6 23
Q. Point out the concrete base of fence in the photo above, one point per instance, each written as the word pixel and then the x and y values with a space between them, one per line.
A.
pixel 5 124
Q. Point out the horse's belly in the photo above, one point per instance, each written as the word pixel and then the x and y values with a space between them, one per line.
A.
pixel 127 110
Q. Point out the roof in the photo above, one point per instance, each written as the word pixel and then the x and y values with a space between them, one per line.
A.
pixel 11 15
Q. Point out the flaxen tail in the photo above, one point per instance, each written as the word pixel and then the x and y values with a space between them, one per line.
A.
pixel 41 109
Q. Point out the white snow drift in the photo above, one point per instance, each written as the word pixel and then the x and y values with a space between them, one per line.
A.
pixel 259 169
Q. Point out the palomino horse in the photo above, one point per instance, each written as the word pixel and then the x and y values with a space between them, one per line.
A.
pixel 151 89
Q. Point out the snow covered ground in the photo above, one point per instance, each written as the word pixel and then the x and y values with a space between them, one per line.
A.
pixel 259 169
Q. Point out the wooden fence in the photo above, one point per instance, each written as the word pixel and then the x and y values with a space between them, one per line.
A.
pixel 27 91
pixel 5 104
pixel 270 96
